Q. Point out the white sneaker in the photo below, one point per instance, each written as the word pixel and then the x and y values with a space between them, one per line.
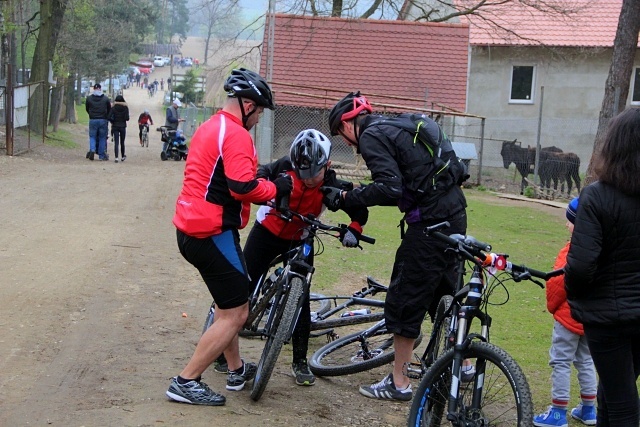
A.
pixel 116 160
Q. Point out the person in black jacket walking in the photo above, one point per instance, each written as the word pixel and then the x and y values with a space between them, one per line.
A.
pixel 98 107
pixel 404 174
pixel 602 275
pixel 119 117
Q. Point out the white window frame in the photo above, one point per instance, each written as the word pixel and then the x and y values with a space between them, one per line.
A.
pixel 635 84
pixel 533 85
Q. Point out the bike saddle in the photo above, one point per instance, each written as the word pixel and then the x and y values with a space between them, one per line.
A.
pixel 373 283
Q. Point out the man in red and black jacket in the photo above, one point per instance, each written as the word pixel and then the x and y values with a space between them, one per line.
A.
pixel 308 165
pixel 220 183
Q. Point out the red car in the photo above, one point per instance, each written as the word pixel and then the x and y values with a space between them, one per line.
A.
pixel 145 71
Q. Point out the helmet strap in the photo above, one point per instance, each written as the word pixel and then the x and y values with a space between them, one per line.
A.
pixel 245 117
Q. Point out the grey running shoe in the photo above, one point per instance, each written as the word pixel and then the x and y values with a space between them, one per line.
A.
pixel 301 372
pixel 195 393
pixel 221 367
pixel 386 389
pixel 467 374
pixel 237 379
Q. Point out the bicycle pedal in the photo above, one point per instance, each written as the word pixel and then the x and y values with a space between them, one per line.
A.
pixel 413 370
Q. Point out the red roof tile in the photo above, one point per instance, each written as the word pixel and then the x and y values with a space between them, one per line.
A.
pixel 397 58
pixel 593 25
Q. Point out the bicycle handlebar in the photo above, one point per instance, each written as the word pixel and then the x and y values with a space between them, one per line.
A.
pixel 288 214
pixel 474 251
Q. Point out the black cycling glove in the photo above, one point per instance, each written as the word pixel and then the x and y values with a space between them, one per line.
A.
pixel 332 198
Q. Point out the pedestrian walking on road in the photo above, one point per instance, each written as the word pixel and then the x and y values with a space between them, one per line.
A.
pixel 98 107
pixel 119 117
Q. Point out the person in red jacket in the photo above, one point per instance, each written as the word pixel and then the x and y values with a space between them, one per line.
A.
pixel 309 167
pixel 220 183
pixel 568 345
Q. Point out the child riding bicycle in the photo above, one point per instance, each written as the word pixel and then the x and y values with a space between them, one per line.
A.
pixel 308 165
pixel 143 122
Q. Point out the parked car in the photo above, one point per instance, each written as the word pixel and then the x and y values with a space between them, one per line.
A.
pixel 167 60
pixel 85 88
pixel 168 99
pixel 145 71
pixel 124 81
pixel 187 62
pixel 158 61
pixel 146 64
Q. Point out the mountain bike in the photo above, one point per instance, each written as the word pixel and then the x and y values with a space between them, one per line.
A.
pixel 278 305
pixel 145 136
pixel 327 312
pixel 373 347
pixel 497 394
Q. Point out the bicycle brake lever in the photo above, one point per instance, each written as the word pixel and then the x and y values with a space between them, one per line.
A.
pixel 538 283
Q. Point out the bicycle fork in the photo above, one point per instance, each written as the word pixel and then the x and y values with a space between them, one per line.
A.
pixel 463 339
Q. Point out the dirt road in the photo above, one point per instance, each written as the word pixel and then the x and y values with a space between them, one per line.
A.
pixel 93 290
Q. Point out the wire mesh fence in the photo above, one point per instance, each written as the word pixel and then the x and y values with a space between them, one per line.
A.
pixel 478 141
pixel 193 117
pixel 22 117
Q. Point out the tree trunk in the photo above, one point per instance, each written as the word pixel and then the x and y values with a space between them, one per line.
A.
pixel 70 97
pixel 616 89
pixel 336 11
pixel 57 96
pixel 51 13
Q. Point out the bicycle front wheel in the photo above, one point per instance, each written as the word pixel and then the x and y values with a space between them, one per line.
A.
pixel 504 400
pixel 354 353
pixel 277 336
pixel 208 321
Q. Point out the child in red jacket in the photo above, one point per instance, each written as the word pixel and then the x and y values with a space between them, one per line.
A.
pixel 309 167
pixel 568 345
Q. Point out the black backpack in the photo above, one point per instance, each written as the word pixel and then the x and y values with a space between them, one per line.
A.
pixel 446 169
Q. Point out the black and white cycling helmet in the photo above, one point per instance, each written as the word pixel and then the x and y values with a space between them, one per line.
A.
pixel 309 153
pixel 243 83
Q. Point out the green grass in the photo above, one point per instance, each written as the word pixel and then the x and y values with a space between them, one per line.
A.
pixel 60 138
pixel 529 236
pixel 83 116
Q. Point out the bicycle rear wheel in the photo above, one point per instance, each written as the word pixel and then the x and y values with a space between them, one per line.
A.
pixel 354 353
pixel 277 336
pixel 505 399
pixel 440 335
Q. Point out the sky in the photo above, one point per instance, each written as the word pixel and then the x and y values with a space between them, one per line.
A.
pixel 254 7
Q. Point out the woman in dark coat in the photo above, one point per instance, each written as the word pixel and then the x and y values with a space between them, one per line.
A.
pixel 602 275
pixel 119 117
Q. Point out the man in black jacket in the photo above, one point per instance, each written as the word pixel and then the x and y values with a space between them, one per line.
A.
pixel 98 106
pixel 404 174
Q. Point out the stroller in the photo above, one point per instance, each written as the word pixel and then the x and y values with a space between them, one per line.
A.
pixel 174 145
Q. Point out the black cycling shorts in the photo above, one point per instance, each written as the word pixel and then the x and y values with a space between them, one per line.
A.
pixel 422 274
pixel 221 264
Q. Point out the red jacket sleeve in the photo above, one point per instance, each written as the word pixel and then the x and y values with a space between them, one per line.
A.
pixel 556 294
pixel 241 165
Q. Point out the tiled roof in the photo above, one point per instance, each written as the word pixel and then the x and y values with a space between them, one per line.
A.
pixel 593 25
pixel 397 58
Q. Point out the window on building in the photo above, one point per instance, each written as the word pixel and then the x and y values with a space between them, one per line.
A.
pixel 635 97
pixel 522 81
